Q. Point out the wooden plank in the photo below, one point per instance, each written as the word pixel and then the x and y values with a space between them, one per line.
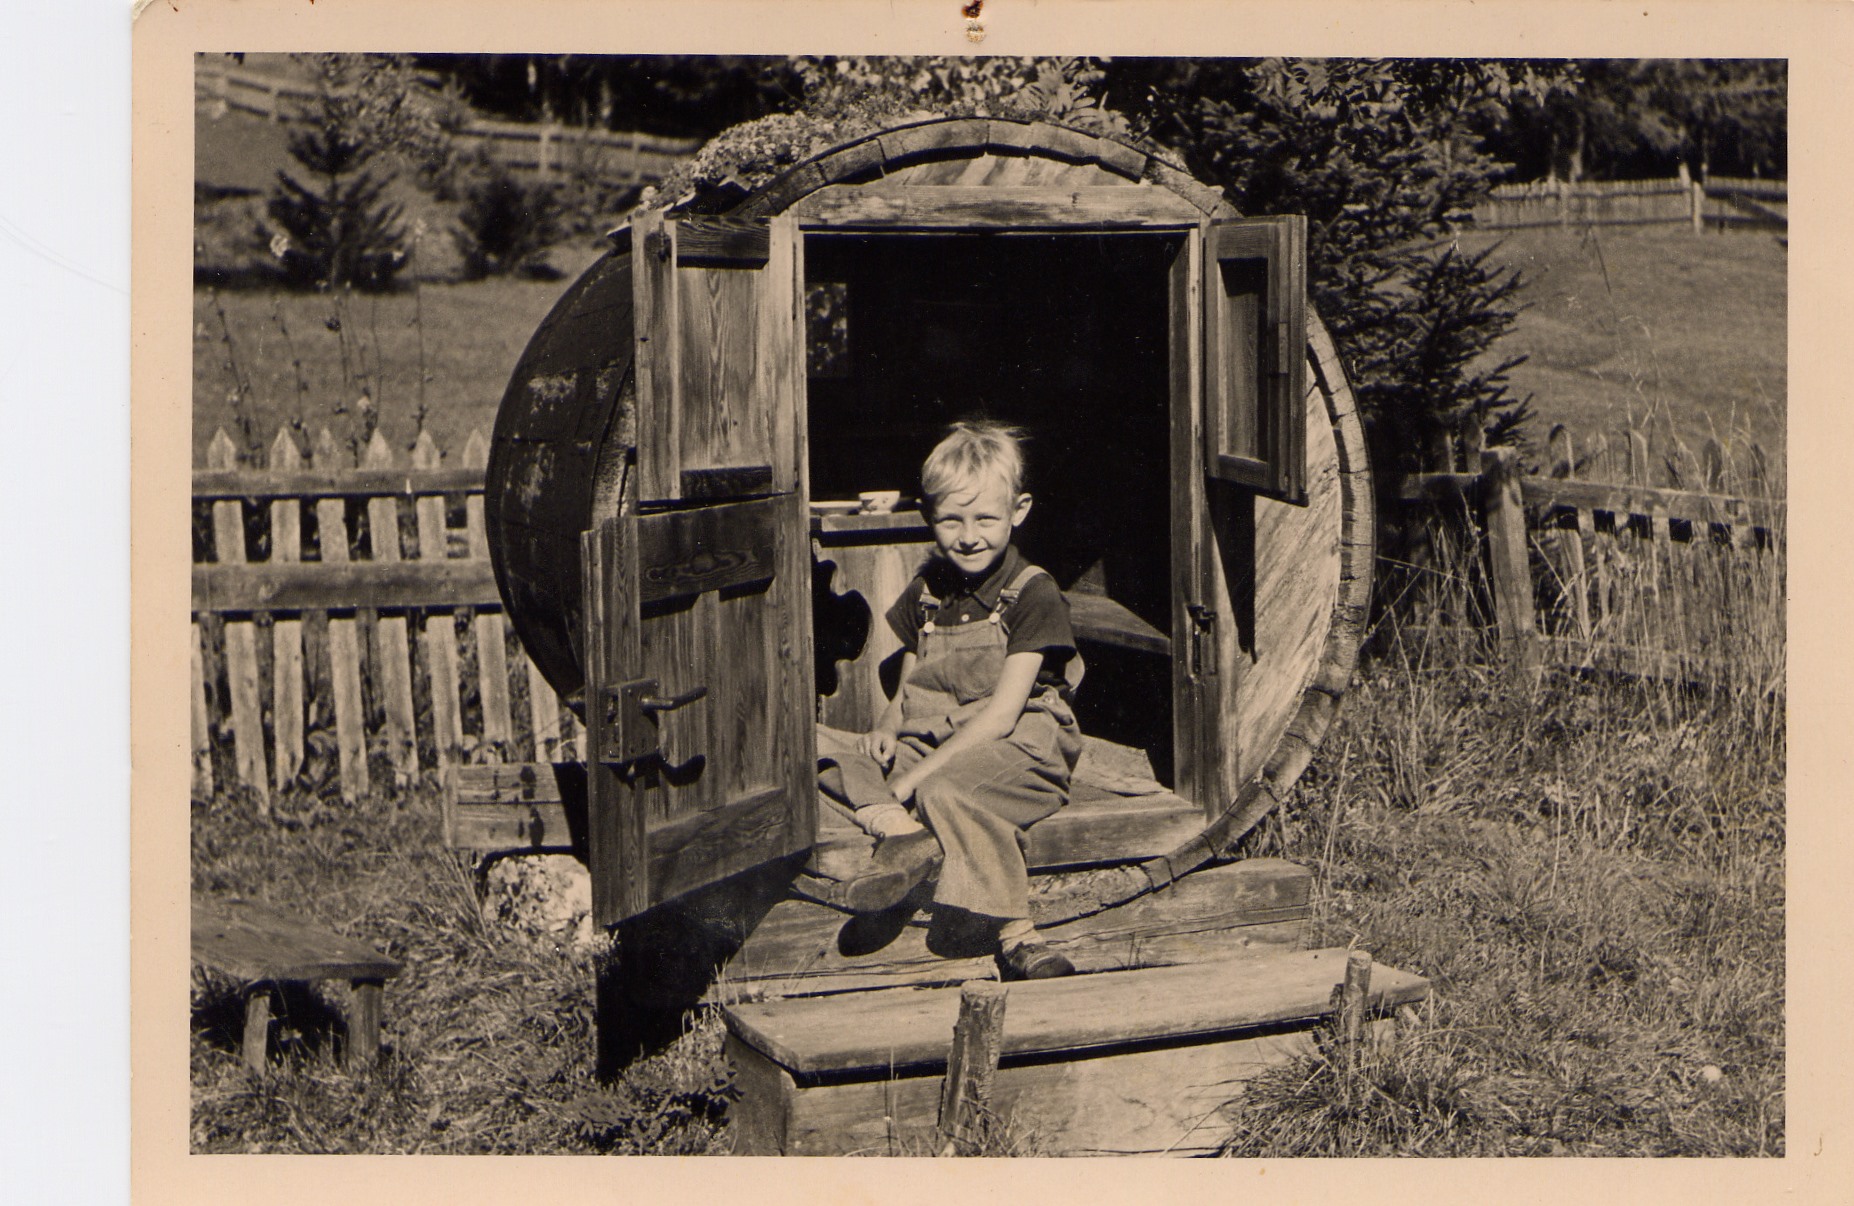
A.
pixel 897 1029
pixel 1242 908
pixel 543 712
pixel 241 667
pixel 393 653
pixel 311 586
pixel 617 848
pixel 200 717
pixel 1195 701
pixel 727 547
pixel 321 482
pixel 1620 499
pixel 286 634
pixel 492 659
pixel 438 633
pixel 256 1044
pixel 1567 544
pixel 963 207
pixel 250 942
pixel 657 331
pixel 1504 518
pixel 1099 618
pixel 720 240
pixel 1095 827
pixel 1173 1101
pixel 343 639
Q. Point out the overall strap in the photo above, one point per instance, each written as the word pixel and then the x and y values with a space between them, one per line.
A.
pixel 1007 598
pixel 930 607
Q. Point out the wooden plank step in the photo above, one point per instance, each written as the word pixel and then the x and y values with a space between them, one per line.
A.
pixel 1242 908
pixel 251 943
pixel 540 807
pixel 885 1031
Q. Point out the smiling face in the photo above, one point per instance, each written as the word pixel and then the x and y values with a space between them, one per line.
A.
pixel 973 522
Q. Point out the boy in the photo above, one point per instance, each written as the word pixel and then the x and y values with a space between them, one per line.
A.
pixel 979 741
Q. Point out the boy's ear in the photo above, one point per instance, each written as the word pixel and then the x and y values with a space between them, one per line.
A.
pixel 1021 511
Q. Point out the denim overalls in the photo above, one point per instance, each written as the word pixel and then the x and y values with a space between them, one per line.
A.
pixel 980 803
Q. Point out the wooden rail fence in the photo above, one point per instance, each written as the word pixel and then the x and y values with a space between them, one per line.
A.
pixel 550 149
pixel 1594 564
pixel 1717 201
pixel 346 623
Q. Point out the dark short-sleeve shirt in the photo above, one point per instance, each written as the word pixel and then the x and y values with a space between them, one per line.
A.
pixel 1037 623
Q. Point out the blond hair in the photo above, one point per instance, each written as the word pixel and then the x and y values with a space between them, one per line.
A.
pixel 970 452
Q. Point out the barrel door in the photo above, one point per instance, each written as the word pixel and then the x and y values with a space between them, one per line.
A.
pixel 1240 458
pixel 699 693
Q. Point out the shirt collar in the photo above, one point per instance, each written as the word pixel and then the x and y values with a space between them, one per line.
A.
pixel 954 584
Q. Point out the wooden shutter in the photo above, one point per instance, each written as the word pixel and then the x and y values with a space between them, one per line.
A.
pixel 700 699
pixel 1255 363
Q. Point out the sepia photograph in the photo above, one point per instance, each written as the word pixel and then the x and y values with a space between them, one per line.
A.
pixel 985 604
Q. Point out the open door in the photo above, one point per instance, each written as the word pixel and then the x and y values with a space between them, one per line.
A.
pixel 1239 446
pixel 698 631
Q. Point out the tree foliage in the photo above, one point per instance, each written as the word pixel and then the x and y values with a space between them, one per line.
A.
pixel 1631 118
pixel 339 228
pixel 1385 158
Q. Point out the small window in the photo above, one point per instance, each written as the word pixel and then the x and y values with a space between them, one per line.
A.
pixel 1255 354
pixel 827 330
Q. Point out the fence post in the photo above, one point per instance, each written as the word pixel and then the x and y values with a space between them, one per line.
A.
pixel 1504 516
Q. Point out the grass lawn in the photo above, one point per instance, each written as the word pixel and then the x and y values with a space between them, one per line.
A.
pixel 1653 326
pixel 464 339
pixel 1590 873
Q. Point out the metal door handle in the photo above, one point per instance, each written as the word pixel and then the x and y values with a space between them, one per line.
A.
pixel 662 703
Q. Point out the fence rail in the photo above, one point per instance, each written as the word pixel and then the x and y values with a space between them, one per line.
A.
pixel 548 149
pixel 1682 580
pixel 346 624
pixel 1717 201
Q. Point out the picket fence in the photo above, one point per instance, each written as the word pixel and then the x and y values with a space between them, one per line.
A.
pixel 383 654
pixel 1717 201
pixel 1597 564
pixel 548 149
pixel 346 625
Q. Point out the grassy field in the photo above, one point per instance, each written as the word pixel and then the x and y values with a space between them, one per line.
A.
pixel 1651 326
pixel 262 360
pixel 1590 870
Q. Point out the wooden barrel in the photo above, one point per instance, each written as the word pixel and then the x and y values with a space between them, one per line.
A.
pixel 1284 582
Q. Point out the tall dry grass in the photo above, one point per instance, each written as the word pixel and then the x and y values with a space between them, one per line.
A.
pixel 1587 864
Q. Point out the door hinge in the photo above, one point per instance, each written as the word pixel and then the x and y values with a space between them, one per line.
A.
pixel 1203 640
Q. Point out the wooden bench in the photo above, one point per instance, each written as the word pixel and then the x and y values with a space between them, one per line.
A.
pixel 540 808
pixel 1126 1062
pixel 261 948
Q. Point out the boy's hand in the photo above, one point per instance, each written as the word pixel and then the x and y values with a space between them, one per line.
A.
pixel 880 745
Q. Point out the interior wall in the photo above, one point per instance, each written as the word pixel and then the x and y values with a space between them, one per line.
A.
pixel 1063 335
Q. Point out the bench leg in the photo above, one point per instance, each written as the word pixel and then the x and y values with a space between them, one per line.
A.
pixel 257 1027
pixel 364 1022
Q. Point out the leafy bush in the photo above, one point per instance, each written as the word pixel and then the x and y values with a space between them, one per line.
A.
pixel 505 224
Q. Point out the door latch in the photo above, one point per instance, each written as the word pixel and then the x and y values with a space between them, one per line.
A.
pixel 1203 638
pixel 629 718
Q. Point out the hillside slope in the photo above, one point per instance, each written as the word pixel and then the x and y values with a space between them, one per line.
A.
pixel 1658 327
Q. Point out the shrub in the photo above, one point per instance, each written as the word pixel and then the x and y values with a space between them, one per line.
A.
pixel 505 224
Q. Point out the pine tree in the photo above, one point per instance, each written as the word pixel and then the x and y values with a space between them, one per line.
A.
pixel 339 229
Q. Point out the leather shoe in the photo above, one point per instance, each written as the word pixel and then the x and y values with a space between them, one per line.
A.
pixel 899 863
pixel 1033 961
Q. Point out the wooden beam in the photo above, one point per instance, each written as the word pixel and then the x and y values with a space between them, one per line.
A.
pixel 1093 207
pixel 874 1032
pixel 336 586
pixel 345 483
